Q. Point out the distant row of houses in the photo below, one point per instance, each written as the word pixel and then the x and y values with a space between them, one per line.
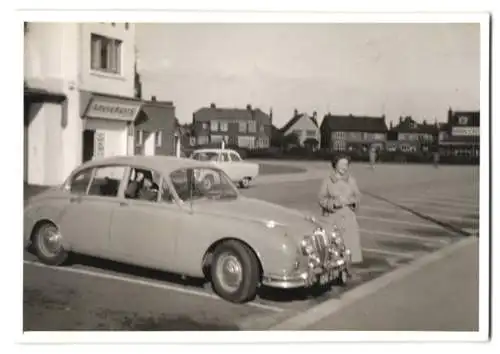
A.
pixel 253 129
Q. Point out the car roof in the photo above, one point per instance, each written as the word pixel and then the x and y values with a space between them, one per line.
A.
pixel 163 164
pixel 213 150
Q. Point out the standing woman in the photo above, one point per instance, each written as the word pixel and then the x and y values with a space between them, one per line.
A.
pixel 339 199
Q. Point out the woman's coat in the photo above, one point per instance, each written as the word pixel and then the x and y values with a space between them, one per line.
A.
pixel 336 191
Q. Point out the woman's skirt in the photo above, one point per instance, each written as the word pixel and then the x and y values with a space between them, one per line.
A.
pixel 345 220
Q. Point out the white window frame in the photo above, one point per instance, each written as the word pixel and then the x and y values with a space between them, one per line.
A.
pixel 242 126
pixel 252 126
pixel 214 126
pixel 204 125
pixel 114 55
pixel 159 138
pixel 223 126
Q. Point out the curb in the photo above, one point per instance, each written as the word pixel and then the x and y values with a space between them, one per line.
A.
pixel 330 307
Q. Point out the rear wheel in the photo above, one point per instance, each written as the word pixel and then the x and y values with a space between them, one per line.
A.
pixel 47 243
pixel 245 182
pixel 235 272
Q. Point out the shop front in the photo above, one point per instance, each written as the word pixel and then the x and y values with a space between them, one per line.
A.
pixel 108 128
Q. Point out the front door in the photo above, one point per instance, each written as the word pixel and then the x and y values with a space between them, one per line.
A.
pixel 93 196
pixel 144 232
pixel 88 145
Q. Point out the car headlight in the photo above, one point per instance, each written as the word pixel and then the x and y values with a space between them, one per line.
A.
pixel 306 247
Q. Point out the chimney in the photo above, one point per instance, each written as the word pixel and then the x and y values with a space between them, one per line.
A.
pixel 315 114
pixel 153 98
pixel 295 112
pixel 271 115
pixel 249 107
pixel 212 105
pixel 390 125
pixel 450 115
pixel 400 119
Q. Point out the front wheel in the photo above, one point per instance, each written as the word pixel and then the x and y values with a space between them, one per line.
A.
pixel 235 272
pixel 245 182
pixel 47 243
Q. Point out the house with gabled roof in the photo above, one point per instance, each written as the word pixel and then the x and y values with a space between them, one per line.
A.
pixel 304 126
pixel 352 133
pixel 246 128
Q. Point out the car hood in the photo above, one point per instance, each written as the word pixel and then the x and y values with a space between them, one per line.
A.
pixel 264 213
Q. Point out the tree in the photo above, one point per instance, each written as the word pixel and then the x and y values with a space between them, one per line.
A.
pixel 311 143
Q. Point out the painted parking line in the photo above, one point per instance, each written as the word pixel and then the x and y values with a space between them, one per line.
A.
pixel 427 204
pixel 403 236
pixel 428 225
pixel 395 210
pixel 388 253
pixel 149 283
pixel 436 201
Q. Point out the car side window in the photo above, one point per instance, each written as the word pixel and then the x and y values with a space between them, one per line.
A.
pixel 143 184
pixel 180 182
pixel 80 182
pixel 106 181
pixel 235 157
pixel 224 157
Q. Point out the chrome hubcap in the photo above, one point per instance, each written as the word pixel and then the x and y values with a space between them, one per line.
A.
pixel 49 241
pixel 229 272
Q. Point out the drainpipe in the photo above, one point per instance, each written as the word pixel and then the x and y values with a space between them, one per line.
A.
pixel 177 146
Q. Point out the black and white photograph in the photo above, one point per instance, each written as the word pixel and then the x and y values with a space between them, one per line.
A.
pixel 218 175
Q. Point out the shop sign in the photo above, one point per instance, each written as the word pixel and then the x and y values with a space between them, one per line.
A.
pixel 465 131
pixel 112 110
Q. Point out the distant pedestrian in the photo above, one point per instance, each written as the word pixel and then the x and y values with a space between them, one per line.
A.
pixel 339 198
pixel 373 157
pixel 435 156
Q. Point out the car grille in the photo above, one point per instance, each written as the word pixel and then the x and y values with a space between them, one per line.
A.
pixel 321 243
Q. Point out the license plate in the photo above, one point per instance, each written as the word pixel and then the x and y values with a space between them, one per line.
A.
pixel 328 276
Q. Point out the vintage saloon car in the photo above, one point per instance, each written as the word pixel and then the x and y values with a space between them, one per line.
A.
pixel 107 209
pixel 239 171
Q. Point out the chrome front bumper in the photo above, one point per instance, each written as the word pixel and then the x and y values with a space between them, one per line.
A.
pixel 306 278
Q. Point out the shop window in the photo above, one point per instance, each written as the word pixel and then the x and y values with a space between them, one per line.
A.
pixel 105 54
pixel 158 138
pixel 139 137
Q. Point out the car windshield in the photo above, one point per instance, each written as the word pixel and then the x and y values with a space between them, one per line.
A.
pixel 205 156
pixel 202 183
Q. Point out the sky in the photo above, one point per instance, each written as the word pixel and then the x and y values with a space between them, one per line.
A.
pixel 362 69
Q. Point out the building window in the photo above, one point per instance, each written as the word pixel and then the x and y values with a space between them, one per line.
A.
pixel 139 137
pixel 214 126
pixel 297 132
pixel 216 138
pixel 262 129
pixel 105 54
pixel 202 140
pixel 246 142
pixel 242 127
pixel 204 126
pixel 252 127
pixel 223 126
pixel 158 138
pixel 311 133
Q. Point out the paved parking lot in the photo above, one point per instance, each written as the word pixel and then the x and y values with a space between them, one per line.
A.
pixel 407 212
